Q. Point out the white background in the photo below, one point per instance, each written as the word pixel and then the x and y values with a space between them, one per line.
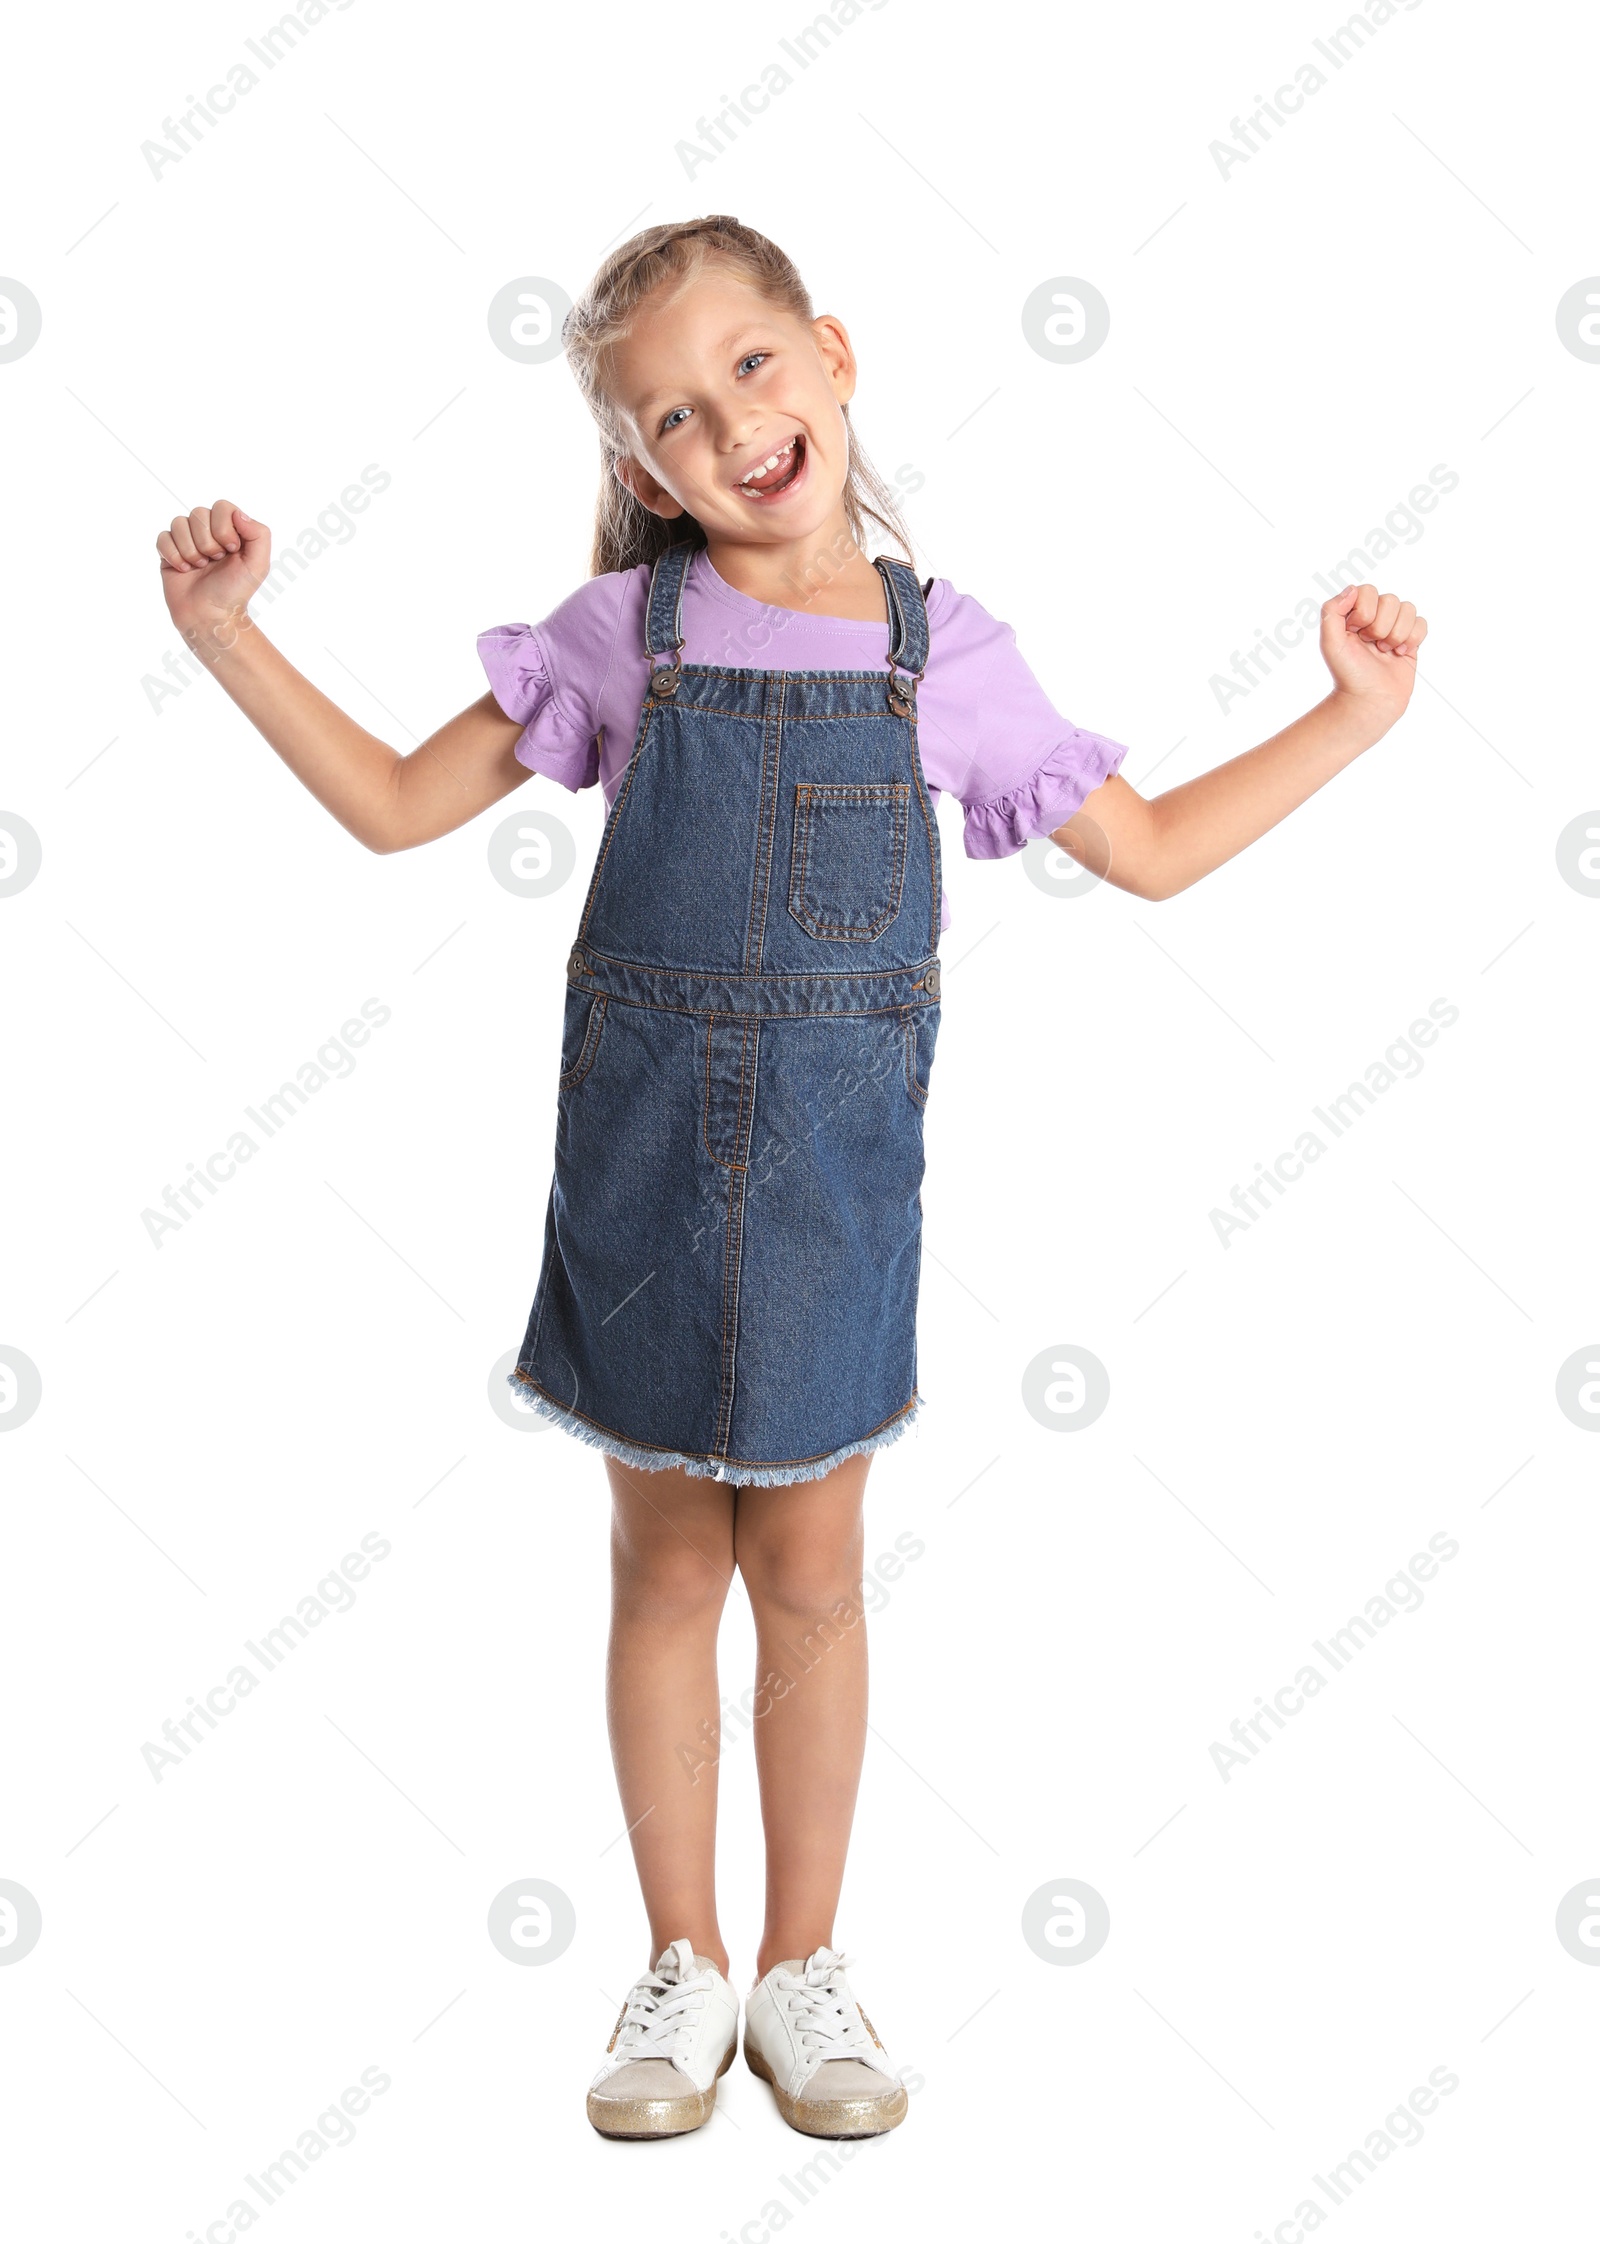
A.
pixel 307 1361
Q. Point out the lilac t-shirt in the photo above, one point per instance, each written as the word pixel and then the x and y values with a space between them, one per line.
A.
pixel 986 730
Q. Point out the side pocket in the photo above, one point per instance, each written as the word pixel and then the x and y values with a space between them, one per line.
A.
pixel 580 1035
pixel 921 1032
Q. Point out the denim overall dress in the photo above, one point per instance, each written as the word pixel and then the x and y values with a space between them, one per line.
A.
pixel 733 1237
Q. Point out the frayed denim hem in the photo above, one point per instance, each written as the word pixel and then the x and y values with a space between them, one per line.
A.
pixel 702 1468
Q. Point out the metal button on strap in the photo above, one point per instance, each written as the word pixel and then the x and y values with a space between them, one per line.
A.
pixel 930 981
pixel 576 962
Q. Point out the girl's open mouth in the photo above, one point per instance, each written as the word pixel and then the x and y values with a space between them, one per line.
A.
pixel 779 474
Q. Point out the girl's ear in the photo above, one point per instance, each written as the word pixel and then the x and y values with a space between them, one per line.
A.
pixel 837 354
pixel 640 484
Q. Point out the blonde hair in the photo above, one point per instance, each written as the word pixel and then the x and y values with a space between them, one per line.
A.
pixel 671 256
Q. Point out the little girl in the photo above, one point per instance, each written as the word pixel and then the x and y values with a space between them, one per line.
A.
pixel 726 1305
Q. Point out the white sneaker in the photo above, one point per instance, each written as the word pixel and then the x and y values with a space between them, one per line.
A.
pixel 674 2040
pixel 810 2040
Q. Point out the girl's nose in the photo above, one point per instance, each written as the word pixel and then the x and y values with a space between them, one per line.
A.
pixel 736 431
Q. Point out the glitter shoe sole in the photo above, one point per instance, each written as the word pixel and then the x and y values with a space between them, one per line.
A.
pixel 841 2117
pixel 648 2119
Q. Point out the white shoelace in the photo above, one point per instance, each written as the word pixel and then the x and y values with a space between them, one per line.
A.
pixel 823 2012
pixel 658 2012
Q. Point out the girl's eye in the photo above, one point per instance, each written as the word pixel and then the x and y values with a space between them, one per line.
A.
pixel 672 421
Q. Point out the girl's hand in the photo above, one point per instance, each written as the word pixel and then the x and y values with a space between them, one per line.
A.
pixel 1369 642
pixel 212 563
pixel 1157 849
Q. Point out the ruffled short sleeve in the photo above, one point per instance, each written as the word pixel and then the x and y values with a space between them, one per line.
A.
pixel 997 740
pixel 1072 767
pixel 561 746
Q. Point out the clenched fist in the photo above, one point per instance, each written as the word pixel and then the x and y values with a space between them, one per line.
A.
pixel 212 563
pixel 1369 642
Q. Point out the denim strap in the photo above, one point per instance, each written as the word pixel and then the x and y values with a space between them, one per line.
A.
pixel 663 631
pixel 908 616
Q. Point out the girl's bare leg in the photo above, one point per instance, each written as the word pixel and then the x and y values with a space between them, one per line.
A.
pixel 800 1551
pixel 671 1563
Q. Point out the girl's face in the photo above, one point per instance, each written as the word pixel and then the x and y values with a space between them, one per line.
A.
pixel 716 383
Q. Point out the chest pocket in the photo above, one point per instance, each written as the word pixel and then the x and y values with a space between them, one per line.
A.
pixel 848 864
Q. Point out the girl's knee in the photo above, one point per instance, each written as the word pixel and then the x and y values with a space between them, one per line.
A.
pixel 801 1574
pixel 667 1580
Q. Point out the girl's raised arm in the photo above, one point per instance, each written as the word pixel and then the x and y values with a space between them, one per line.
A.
pixel 212 563
pixel 1155 849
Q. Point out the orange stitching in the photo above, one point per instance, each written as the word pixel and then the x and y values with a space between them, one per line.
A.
pixel 591 1042
pixel 615 819
pixel 747 1095
pixel 705 1117
pixel 769 816
pixel 733 1248
pixel 705 1122
pixel 711 1032
pixel 932 826
pixel 730 1304
pixel 893 795
pixel 731 670
pixel 917 1092
pixel 769 974
pixel 841 1013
